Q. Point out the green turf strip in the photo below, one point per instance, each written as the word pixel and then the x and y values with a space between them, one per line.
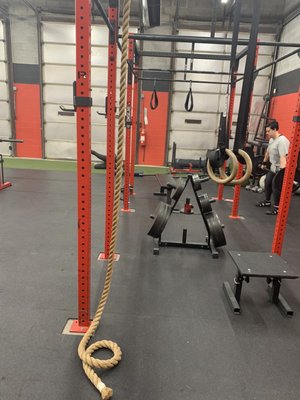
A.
pixel 58 165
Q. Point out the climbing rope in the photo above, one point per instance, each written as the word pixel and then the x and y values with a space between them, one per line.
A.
pixel 84 352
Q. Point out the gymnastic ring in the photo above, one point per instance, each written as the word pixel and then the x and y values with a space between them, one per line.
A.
pixel 224 178
pixel 248 172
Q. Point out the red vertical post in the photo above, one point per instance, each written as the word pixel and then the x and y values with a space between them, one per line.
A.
pixel 229 126
pixel 82 102
pixel 237 188
pixel 286 193
pixel 128 124
pixel 134 126
pixel 111 124
pixel 237 193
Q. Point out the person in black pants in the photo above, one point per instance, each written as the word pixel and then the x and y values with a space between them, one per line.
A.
pixel 276 154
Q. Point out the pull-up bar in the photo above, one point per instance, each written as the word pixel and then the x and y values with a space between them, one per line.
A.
pixel 185 55
pixel 181 80
pixel 183 71
pixel 205 40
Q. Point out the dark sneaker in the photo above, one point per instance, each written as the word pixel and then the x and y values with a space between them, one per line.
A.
pixel 264 204
pixel 273 212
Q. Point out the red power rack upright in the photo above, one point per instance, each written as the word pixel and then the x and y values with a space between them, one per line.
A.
pixel 82 105
pixel 287 187
pixel 113 16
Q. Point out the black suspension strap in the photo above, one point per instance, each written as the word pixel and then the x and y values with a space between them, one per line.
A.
pixel 154 98
pixel 189 102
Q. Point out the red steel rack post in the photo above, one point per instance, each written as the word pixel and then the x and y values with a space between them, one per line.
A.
pixel 134 125
pixel 286 193
pixel 111 123
pixel 82 104
pixel 237 188
pixel 128 127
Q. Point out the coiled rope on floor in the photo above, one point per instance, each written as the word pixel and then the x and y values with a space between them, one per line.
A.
pixel 84 352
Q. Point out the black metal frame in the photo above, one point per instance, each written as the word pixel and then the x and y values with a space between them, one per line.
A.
pixel 207 245
pixel 273 272
pixel 234 296
pixel 243 115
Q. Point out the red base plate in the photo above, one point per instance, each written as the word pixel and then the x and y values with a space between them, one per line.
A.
pixel 5 185
pixel 130 210
pixel 236 217
pixel 76 328
pixel 229 200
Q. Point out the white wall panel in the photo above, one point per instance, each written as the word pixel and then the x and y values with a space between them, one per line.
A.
pixel 5 131
pixel 1 31
pixel 5 126
pixel 4 111
pixel 291 33
pixel 197 87
pixel 3 71
pixel 60 131
pixel 207 122
pixel 4 147
pixel 58 32
pixel 199 64
pixel 4 91
pixel 2 51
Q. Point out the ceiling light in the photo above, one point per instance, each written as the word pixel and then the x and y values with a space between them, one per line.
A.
pixel 224 1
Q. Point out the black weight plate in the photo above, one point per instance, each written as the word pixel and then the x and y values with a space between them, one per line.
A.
pixel 205 204
pixel 179 189
pixel 215 229
pixel 196 182
pixel 162 214
pixel 257 171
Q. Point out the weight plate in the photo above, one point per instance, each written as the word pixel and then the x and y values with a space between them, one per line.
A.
pixel 215 229
pixel 205 204
pixel 179 189
pixel 257 171
pixel 196 182
pixel 162 214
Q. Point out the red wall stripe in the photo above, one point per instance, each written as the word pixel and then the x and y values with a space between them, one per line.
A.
pixel 28 120
pixel 154 151
pixel 283 109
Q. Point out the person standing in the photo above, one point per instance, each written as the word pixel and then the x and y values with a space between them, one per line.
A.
pixel 276 155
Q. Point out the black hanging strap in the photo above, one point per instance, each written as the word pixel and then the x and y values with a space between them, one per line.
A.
pixel 189 102
pixel 154 98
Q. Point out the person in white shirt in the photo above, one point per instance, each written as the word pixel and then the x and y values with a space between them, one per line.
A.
pixel 276 154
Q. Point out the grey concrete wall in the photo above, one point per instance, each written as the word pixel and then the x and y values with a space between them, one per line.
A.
pixel 23 34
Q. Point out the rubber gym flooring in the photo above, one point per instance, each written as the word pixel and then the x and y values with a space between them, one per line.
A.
pixel 168 312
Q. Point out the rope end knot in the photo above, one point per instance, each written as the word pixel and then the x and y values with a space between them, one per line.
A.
pixel 106 393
